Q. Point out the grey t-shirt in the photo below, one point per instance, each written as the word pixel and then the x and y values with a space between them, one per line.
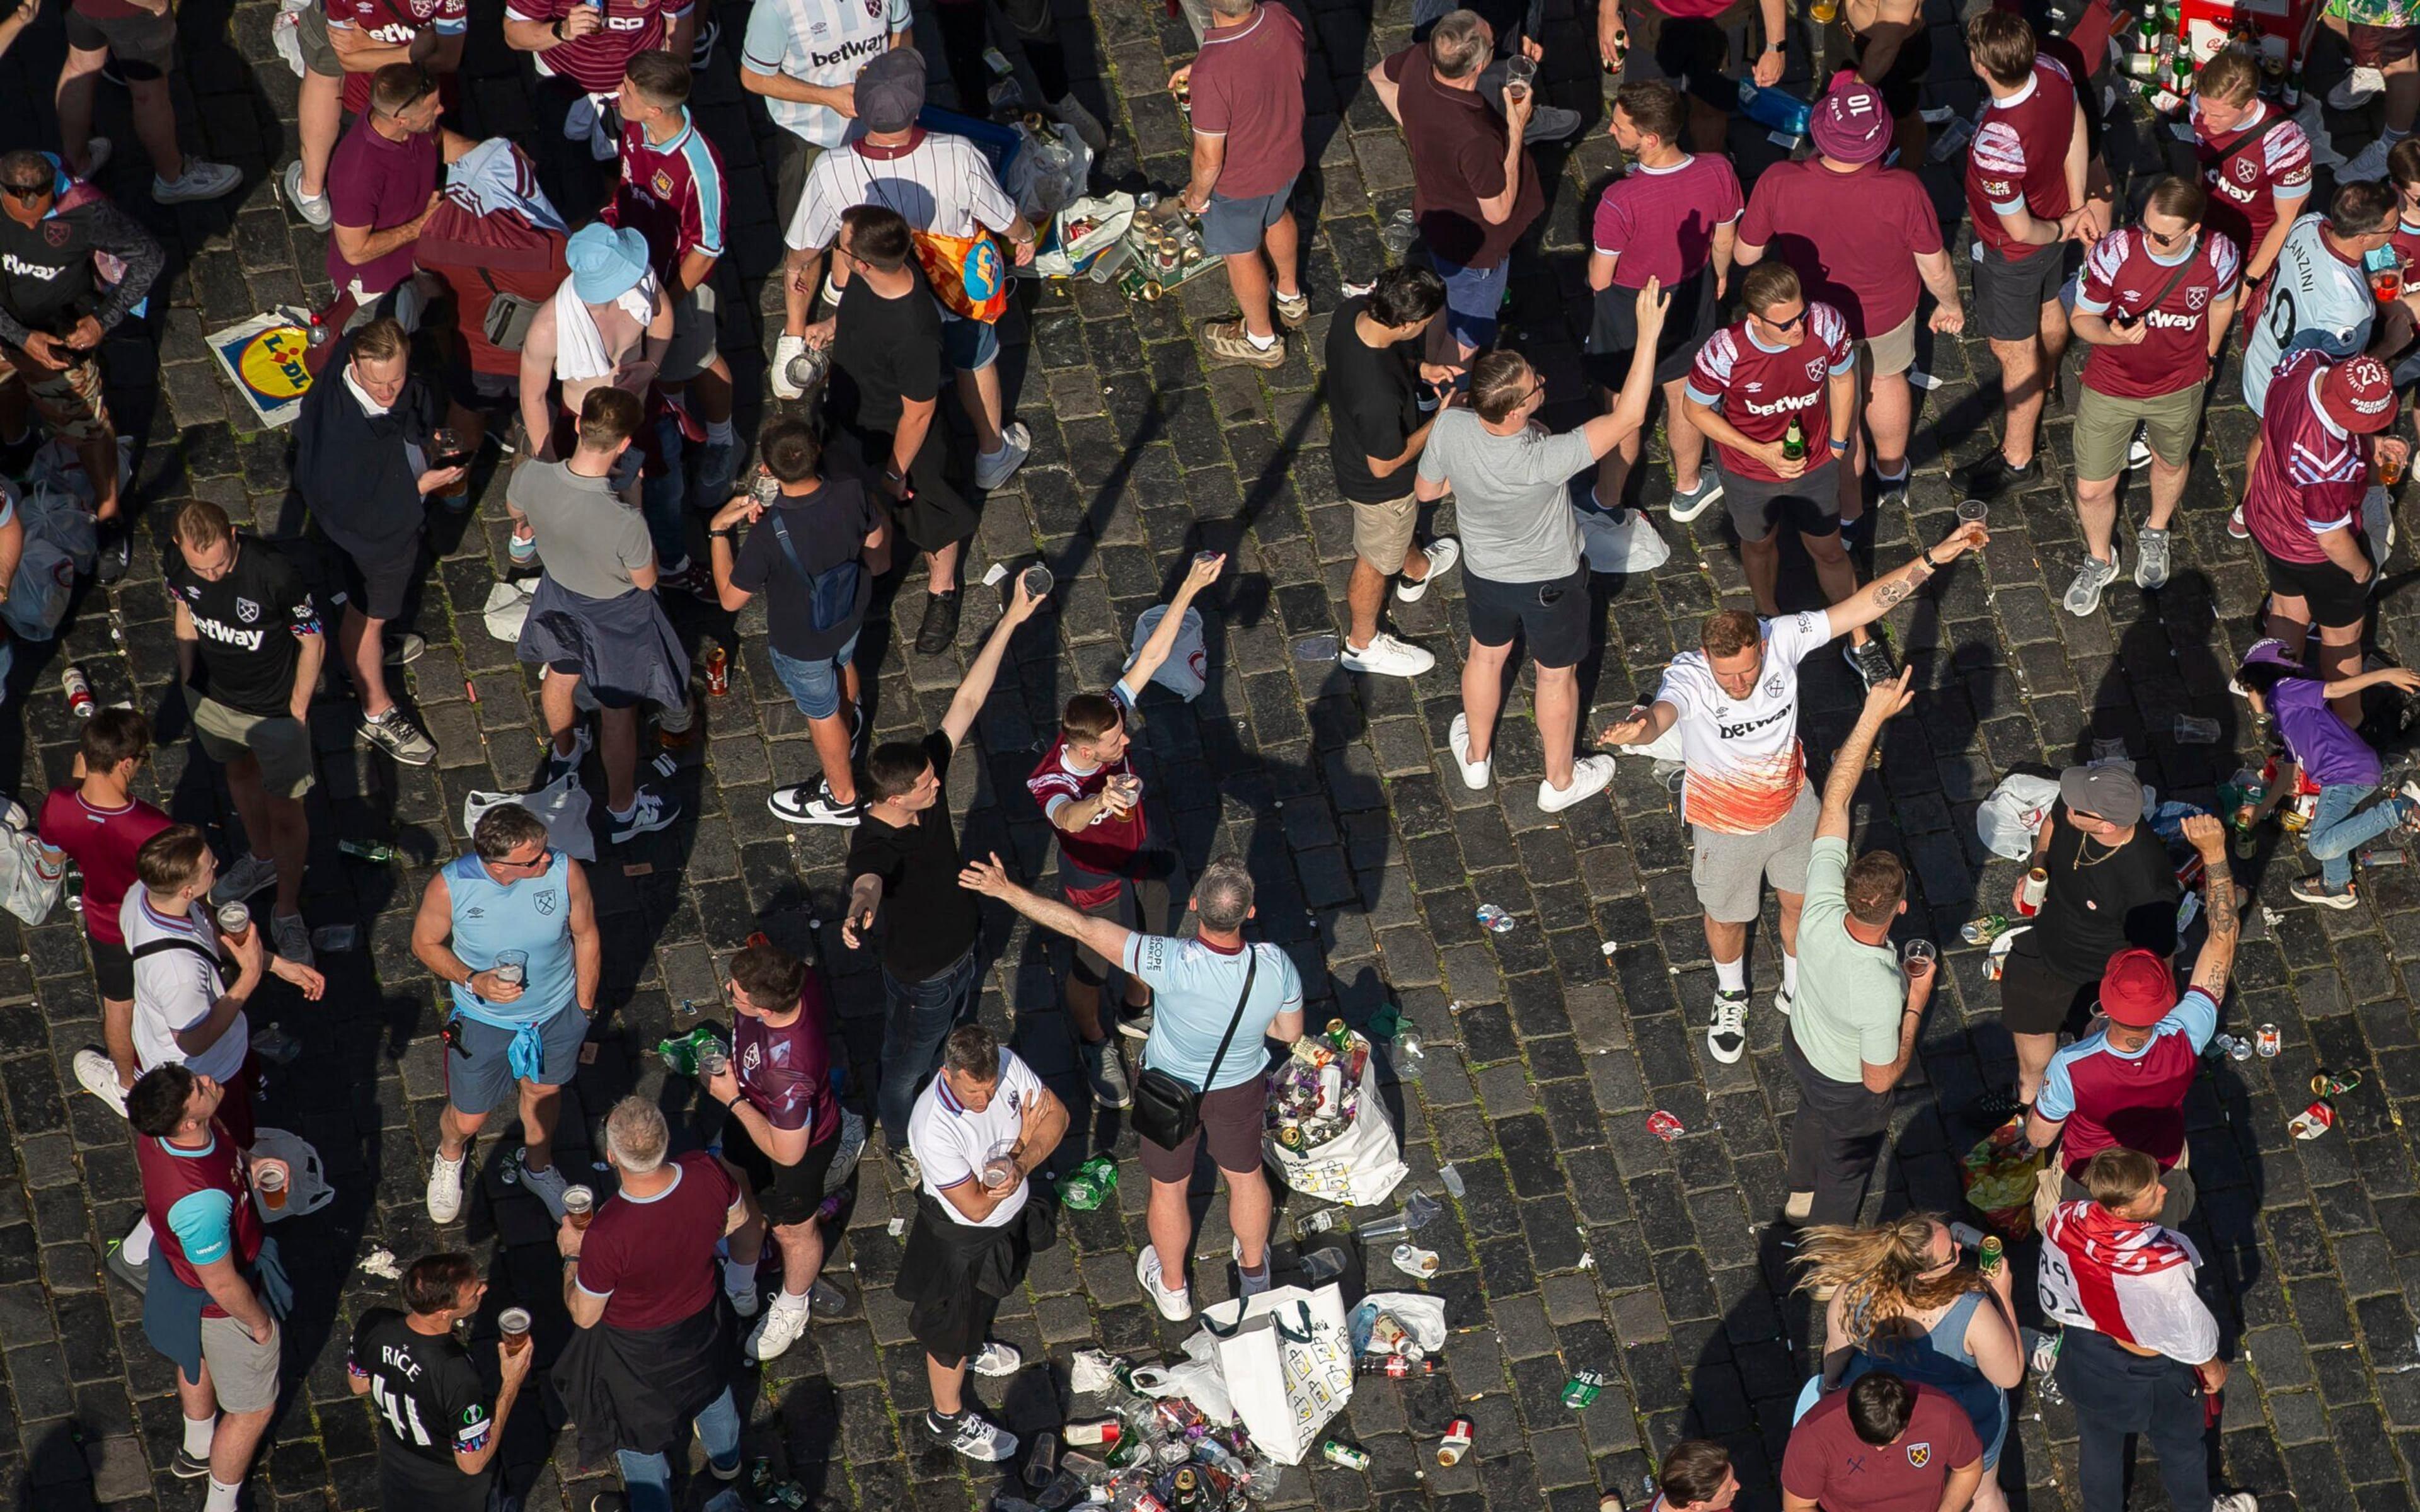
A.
pixel 1509 496
pixel 590 539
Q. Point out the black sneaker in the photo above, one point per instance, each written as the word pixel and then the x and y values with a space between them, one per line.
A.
pixel 1996 475
pixel 117 554
pixel 1871 661
pixel 185 1467
pixel 940 625
pixel 691 579
pixel 1996 1106
pixel 858 726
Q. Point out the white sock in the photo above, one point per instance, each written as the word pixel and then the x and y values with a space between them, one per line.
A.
pixel 739 1278
pixel 790 1300
pixel 199 1431
pixel 137 1248
pixel 1788 973
pixel 1900 476
pixel 222 1496
pixel 2389 133
pixel 1732 976
pixel 1262 344
pixel 719 433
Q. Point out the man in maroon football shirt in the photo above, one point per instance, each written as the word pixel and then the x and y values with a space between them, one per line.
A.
pixel 99 820
pixel 1865 240
pixel 2027 176
pixel 583 48
pixel 2154 305
pixel 2255 161
pixel 493 236
pixel 1789 363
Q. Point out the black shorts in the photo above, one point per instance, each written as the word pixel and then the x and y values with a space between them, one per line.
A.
pixel 1553 615
pixel 2035 999
pixel 1695 55
pixel 1613 331
pixel 113 970
pixel 376 580
pixel 2008 296
pixel 2334 599
pixel 1809 504
pixel 789 1195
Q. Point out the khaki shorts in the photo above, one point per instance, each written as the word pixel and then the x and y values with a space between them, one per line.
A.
pixel 319 54
pixel 69 400
pixel 1382 534
pixel 694 333
pixel 2105 427
pixel 145 46
pixel 282 743
pixel 243 1375
pixel 1892 353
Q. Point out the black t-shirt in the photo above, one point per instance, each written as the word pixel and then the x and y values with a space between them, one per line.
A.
pixel 827 528
pixel 930 920
pixel 248 620
pixel 1374 404
pixel 884 352
pixel 2101 900
pixel 429 1403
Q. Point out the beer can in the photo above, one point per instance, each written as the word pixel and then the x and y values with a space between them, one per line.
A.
pixel 2267 1041
pixel 1455 1443
pixel 1338 1452
pixel 717 671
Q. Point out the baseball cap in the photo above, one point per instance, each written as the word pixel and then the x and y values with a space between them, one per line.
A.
pixel 2111 792
pixel 2138 988
pixel 890 90
pixel 2359 395
pixel 606 263
pixel 1851 124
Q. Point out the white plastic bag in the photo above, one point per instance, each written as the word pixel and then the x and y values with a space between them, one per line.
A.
pixel 1287 1359
pixel 1103 219
pixel 1630 544
pixel 285 33
pixel 2011 818
pixel 306 1180
pixel 506 607
pixel 1422 1315
pixel 1359 1166
pixel 1186 670
pixel 562 805
pixel 29 889
pixel 1196 1378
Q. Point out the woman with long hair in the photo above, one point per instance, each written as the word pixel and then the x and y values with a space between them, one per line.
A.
pixel 1903 1299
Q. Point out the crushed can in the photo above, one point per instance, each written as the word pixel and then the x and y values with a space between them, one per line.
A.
pixel 1664 1126
pixel 1338 1452
pixel 1581 1390
pixel 1455 1443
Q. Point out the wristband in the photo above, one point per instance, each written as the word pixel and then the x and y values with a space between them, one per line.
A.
pixel 731 1104
pixel 1926 555
pixel 1839 448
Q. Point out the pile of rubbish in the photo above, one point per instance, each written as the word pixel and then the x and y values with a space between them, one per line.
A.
pixel 1142 1454
pixel 1316 1091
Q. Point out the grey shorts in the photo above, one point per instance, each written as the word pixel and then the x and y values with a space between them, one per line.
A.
pixel 1230 227
pixel 319 54
pixel 479 1074
pixel 243 1375
pixel 695 329
pixel 145 46
pixel 1728 868
pixel 282 743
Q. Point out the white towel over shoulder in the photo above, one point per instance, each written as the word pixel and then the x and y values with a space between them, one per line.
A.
pixel 580 351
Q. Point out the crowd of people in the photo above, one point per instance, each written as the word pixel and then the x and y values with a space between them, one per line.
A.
pixel 559 312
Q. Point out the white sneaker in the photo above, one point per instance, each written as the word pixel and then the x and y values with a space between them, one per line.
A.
pixel 548 1186
pixel 2138 454
pixel 1727 1032
pixel 1457 739
pixel 2357 88
pixel 1442 553
pixel 784 1324
pixel 1386 656
pixel 446 1188
pixel 1176 1306
pixel 316 211
pixel 2236 1501
pixel 98 1075
pixel 1784 1000
pixel 254 874
pixel 201 180
pixel 1589 775
pixel 1015 445
pixel 997 1359
pixel 2369 163
pixel 96 156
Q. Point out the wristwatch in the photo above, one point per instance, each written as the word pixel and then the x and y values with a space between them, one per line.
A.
pixel 1778 47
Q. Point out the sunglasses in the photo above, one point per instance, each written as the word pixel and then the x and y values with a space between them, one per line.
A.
pixel 1791 324
pixel 536 863
pixel 2168 240
pixel 424 85
pixel 27 193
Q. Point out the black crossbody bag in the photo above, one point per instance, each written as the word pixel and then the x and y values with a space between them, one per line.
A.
pixel 1167 1111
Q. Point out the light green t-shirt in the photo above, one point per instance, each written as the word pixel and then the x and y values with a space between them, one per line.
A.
pixel 1850 994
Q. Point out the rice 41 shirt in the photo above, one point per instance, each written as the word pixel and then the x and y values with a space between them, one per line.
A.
pixel 1760 388
pixel 2122 276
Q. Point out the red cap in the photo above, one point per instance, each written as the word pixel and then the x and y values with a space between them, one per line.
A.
pixel 2359 395
pixel 2138 988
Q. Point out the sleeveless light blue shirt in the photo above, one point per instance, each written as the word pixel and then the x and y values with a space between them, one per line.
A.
pixel 532 914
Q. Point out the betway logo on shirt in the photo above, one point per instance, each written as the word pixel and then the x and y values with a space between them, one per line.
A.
pixel 1782 406
pixel 2170 320
pixel 229 635
pixel 1733 732
pixel 15 264
pixel 864 47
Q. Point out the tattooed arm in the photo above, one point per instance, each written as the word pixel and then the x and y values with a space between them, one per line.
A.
pixel 1879 597
pixel 2217 958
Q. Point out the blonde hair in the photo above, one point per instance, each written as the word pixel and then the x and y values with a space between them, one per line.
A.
pixel 1880 1274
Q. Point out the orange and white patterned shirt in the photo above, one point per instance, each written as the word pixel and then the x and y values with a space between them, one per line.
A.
pixel 1746 766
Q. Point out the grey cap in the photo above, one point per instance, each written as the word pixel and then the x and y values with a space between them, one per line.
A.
pixel 891 90
pixel 2112 792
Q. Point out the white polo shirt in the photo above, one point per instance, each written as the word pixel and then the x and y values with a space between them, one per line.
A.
pixel 951 1141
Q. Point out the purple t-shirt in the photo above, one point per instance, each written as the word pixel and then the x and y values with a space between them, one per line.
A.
pixel 379 184
pixel 2323 746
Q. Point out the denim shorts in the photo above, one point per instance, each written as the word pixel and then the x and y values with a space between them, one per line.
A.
pixel 1473 298
pixel 815 682
pixel 969 346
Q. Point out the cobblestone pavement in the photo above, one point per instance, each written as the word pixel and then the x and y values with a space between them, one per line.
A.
pixel 1582 1241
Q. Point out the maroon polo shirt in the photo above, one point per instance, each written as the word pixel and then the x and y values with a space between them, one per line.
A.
pixel 379 184
pixel 1457 143
pixel 1248 88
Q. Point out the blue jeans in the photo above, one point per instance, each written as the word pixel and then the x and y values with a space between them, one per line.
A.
pixel 919 1016
pixel 647 1479
pixel 1474 300
pixel 2336 831
pixel 813 684
pixel 660 499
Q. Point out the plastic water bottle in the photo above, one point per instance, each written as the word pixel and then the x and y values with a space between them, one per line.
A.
pixel 1773 108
